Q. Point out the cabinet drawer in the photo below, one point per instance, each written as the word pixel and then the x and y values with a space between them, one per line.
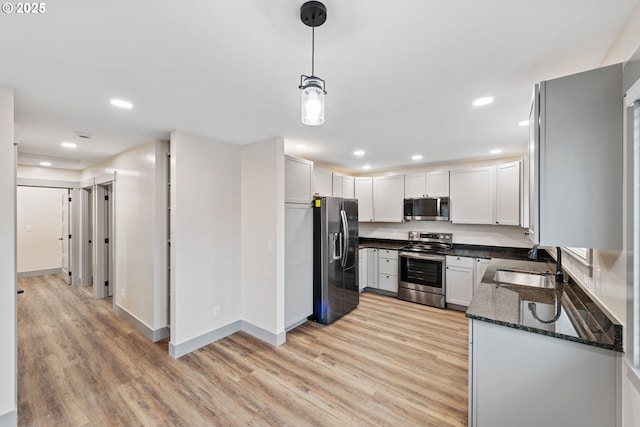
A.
pixel 388 266
pixel 388 253
pixel 388 282
pixel 459 261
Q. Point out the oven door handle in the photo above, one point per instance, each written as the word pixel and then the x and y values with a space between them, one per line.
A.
pixel 422 256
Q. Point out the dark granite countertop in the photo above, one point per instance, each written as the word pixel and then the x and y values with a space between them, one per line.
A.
pixel 366 242
pixel 581 318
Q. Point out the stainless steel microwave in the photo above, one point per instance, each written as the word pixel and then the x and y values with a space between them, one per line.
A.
pixel 426 209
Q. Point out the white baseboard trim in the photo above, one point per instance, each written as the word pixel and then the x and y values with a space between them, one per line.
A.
pixel 44 272
pixel 10 419
pixel 179 350
pixel 153 335
pixel 264 335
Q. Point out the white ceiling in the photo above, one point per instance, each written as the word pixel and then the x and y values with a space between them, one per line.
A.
pixel 400 75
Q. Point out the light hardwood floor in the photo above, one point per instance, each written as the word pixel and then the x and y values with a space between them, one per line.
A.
pixel 389 362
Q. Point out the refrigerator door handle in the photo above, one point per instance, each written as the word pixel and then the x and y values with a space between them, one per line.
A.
pixel 345 243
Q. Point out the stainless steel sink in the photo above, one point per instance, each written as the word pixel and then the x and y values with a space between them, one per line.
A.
pixel 526 278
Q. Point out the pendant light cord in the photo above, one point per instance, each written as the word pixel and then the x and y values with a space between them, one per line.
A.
pixel 313 44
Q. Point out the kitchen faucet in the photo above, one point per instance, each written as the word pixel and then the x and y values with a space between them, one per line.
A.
pixel 533 253
pixel 559 275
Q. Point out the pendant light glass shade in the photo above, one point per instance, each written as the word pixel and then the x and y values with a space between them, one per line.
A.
pixel 312 101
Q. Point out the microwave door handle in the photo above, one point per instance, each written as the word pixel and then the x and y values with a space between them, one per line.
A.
pixel 345 243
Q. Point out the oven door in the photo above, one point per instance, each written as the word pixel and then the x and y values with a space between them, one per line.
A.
pixel 422 272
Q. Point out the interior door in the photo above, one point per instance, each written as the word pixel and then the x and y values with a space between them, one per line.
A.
pixel 65 238
pixel 108 241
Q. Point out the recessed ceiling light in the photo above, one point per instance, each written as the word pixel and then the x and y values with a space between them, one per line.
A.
pixel 523 123
pixel 121 103
pixel 482 101
pixel 366 167
pixel 416 157
pixel 358 153
pixel 45 163
pixel 496 151
pixel 301 146
pixel 69 144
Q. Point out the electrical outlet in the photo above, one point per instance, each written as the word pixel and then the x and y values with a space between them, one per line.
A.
pixel 216 311
pixel 270 245
pixel 122 293
pixel 597 278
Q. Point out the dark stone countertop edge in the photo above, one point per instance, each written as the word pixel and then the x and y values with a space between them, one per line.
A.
pixel 579 340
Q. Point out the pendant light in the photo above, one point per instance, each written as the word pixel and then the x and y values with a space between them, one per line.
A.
pixel 312 14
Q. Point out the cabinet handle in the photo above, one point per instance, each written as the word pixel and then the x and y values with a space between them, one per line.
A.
pixel 387 260
pixel 458 257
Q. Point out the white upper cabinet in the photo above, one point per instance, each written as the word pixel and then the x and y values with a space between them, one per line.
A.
pixel 298 185
pixel 363 191
pixel 472 196
pixel 415 185
pixel 508 194
pixel 577 149
pixel 337 185
pixel 429 184
pixel 323 182
pixel 438 184
pixel 388 198
pixel 348 190
pixel 343 186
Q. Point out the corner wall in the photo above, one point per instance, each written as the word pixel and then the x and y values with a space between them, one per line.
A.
pixel 263 240
pixel 8 345
pixel 205 241
pixel 140 232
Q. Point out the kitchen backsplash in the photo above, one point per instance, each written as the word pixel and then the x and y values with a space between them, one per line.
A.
pixel 486 235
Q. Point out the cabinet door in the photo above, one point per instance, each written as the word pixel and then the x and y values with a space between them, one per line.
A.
pixel 362 268
pixel 323 182
pixel 337 185
pixel 480 268
pixel 459 285
pixel 388 282
pixel 347 187
pixel 363 191
pixel 508 194
pixel 298 175
pixel 415 185
pixel 388 198
pixel 438 184
pixel 472 196
pixel 298 281
pixel 580 160
pixel 372 265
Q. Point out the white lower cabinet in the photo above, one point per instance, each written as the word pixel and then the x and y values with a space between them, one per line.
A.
pixel 481 266
pixel 459 283
pixel 362 268
pixel 388 270
pixel 372 268
pixel 520 378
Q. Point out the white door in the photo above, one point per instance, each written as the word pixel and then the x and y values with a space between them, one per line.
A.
pixel 65 238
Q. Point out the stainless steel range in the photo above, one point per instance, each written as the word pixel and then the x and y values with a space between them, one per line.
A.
pixel 422 265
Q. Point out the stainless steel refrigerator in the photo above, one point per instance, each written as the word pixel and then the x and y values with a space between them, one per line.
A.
pixel 335 258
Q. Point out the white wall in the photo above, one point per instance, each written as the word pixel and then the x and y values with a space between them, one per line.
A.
pixel 49 174
pixel 39 229
pixel 486 235
pixel 140 231
pixel 205 239
pixel 263 237
pixel 8 387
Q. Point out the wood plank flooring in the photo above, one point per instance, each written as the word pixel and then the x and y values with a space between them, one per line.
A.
pixel 388 363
